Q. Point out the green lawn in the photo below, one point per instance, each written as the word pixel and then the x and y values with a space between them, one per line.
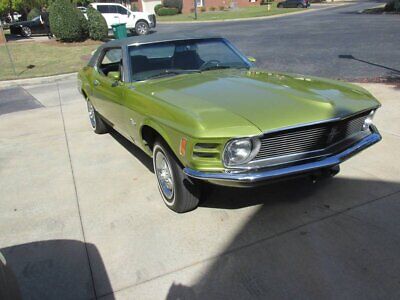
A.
pixel 34 59
pixel 239 13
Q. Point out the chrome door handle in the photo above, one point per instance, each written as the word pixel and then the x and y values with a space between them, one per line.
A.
pixel 96 82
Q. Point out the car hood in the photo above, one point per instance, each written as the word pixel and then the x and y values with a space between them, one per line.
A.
pixel 268 101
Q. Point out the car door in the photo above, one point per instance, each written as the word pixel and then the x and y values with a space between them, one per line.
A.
pixel 107 12
pixel 124 16
pixel 37 27
pixel 114 15
pixel 107 92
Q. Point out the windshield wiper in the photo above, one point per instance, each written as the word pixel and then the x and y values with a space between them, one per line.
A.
pixel 169 72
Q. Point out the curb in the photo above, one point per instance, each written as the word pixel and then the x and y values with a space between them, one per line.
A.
pixel 256 18
pixel 37 80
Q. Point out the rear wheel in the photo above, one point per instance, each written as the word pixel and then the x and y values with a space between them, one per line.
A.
pixel 299 5
pixel 26 31
pixel 142 28
pixel 179 192
pixel 98 125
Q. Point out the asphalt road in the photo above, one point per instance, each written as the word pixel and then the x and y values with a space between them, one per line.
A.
pixel 313 43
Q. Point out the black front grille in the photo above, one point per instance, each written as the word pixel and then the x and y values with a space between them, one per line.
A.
pixel 308 138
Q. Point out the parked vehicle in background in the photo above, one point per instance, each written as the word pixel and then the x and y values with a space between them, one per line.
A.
pixel 27 28
pixel 204 113
pixel 82 9
pixel 137 22
pixel 294 4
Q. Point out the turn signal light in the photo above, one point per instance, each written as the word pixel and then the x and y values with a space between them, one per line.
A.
pixel 182 148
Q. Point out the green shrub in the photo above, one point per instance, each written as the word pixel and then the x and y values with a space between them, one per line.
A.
pixel 212 8
pixel 134 7
pixel 83 23
pixel 33 13
pixel 221 8
pixel 98 29
pixel 202 9
pixel 64 22
pixel 167 11
pixel 157 7
pixel 178 4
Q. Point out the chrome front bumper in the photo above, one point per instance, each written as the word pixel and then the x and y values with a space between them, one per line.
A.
pixel 259 176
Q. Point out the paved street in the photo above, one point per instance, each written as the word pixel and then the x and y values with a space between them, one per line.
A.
pixel 81 216
pixel 312 43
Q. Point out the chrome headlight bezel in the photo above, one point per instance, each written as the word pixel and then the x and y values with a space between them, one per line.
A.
pixel 250 146
pixel 368 121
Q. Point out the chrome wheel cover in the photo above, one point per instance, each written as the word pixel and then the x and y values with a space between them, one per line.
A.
pixel 27 31
pixel 164 176
pixel 141 28
pixel 92 116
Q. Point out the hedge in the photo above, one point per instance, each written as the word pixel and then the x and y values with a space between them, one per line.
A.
pixel 64 22
pixel 33 13
pixel 157 7
pixel 98 29
pixel 167 11
pixel 83 23
pixel 178 4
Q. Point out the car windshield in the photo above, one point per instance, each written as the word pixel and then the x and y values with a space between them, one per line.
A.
pixel 179 57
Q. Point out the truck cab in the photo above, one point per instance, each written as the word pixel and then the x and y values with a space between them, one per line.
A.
pixel 114 13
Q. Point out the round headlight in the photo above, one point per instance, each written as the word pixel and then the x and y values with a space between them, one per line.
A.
pixel 240 151
pixel 368 121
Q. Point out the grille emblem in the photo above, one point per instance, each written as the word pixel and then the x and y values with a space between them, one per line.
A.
pixel 332 134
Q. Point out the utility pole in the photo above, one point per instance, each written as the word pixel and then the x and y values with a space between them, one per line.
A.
pixel 195 9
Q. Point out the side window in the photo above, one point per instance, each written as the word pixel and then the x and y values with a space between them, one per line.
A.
pixel 122 10
pixel 110 61
pixel 113 9
pixel 102 9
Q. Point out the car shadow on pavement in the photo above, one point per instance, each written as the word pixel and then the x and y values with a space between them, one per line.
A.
pixel 53 269
pixel 134 150
pixel 337 239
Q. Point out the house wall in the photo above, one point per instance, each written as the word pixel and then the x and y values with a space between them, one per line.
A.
pixel 148 5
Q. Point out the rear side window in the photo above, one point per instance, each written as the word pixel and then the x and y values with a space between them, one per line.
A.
pixel 110 61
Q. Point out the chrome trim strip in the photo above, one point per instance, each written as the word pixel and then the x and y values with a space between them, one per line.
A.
pixel 267 174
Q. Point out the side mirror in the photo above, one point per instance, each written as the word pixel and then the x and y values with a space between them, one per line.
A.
pixel 114 76
pixel 251 59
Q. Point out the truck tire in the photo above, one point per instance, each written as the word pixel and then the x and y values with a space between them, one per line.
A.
pixel 142 27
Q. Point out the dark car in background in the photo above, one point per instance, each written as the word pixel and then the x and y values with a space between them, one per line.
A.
pixel 27 28
pixel 294 4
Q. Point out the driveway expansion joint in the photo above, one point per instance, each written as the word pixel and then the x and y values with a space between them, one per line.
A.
pixel 76 194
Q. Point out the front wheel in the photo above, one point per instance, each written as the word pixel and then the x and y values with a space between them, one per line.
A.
pixel 179 192
pixel 300 6
pixel 26 31
pixel 142 28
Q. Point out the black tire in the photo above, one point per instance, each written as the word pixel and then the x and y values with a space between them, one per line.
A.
pixel 185 192
pixel 142 28
pixel 26 31
pixel 96 122
pixel 300 6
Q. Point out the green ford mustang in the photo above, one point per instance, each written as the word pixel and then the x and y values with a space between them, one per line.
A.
pixel 204 113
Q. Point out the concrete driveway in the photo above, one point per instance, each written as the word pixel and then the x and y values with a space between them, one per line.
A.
pixel 81 218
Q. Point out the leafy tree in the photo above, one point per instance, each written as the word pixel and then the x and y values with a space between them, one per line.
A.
pixel 33 13
pixel 98 29
pixel 64 21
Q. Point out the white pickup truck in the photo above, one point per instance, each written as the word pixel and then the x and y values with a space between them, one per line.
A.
pixel 115 13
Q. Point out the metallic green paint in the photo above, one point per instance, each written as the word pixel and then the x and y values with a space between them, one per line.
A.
pixel 215 106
